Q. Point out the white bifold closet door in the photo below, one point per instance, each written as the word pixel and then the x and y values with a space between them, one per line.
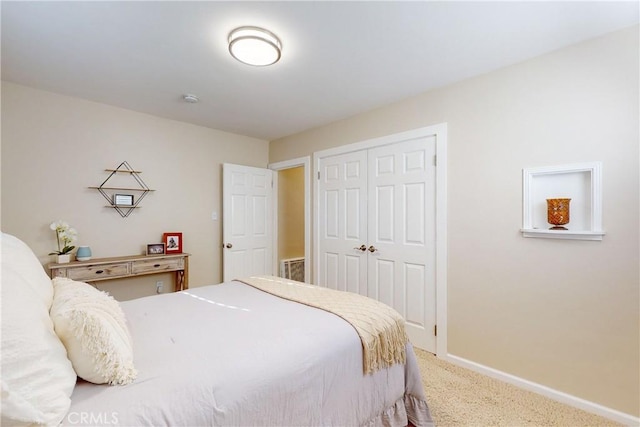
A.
pixel 377 229
pixel 343 222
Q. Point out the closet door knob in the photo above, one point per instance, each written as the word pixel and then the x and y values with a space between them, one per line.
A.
pixel 228 245
pixel 372 249
pixel 361 248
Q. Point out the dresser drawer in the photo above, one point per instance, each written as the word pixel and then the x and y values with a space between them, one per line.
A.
pixel 153 265
pixel 98 272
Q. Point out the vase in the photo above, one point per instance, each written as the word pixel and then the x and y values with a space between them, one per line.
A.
pixel 558 213
pixel 83 253
pixel 64 258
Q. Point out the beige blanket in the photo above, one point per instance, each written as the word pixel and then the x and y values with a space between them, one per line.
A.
pixel 381 328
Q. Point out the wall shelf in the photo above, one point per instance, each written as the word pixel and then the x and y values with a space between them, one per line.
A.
pixel 581 182
pixel 121 188
pixel 563 234
pixel 122 171
pixel 108 192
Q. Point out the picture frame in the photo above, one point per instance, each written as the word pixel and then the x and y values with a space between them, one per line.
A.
pixel 172 242
pixel 156 249
pixel 123 199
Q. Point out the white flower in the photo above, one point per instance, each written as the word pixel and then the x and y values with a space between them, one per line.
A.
pixel 65 235
pixel 59 226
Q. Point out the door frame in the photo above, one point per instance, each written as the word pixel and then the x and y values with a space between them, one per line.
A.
pixel 439 131
pixel 304 162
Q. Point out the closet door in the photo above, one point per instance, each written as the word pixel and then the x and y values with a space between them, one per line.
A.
pixel 383 198
pixel 401 234
pixel 343 222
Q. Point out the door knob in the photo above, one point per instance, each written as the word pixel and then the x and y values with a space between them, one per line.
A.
pixel 372 249
pixel 361 248
pixel 228 245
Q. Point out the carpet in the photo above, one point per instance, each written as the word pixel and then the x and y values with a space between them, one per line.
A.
pixel 460 397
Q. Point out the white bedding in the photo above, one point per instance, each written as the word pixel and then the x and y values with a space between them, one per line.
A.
pixel 232 355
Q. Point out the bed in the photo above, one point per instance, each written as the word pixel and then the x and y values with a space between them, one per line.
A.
pixel 233 355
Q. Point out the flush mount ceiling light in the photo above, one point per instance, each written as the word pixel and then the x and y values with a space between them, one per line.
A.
pixel 254 46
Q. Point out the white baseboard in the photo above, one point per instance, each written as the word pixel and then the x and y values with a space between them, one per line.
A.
pixel 556 395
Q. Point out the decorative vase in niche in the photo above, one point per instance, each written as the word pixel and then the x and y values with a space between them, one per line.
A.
pixel 558 213
pixel 83 253
pixel 63 258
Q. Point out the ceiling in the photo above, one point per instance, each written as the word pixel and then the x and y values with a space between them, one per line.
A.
pixel 339 58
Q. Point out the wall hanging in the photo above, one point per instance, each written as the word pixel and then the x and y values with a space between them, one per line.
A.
pixel 115 189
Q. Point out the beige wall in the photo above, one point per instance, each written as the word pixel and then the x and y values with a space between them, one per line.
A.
pixel 560 313
pixel 54 147
pixel 291 213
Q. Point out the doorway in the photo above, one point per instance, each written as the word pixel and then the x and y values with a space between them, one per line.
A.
pixel 292 219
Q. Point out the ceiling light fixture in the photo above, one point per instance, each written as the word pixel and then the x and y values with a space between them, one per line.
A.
pixel 254 46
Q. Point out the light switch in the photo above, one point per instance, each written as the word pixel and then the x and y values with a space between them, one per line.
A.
pixel 214 215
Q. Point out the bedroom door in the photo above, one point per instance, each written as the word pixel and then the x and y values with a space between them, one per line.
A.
pixel 247 224
pixel 377 229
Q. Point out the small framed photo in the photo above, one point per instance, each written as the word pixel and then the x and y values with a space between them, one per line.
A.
pixel 155 249
pixel 173 242
pixel 123 199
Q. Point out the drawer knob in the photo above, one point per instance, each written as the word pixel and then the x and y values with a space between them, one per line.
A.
pixel 156 265
pixel 99 271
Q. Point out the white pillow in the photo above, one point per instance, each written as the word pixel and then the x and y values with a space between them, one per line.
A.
pixel 92 326
pixel 37 377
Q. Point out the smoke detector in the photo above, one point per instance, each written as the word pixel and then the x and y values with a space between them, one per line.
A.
pixel 191 99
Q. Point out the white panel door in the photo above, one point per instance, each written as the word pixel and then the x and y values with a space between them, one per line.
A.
pixel 343 222
pixel 247 229
pixel 385 198
pixel 401 234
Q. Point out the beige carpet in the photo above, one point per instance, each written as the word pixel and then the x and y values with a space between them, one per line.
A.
pixel 460 397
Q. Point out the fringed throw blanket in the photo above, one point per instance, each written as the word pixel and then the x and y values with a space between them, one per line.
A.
pixel 381 328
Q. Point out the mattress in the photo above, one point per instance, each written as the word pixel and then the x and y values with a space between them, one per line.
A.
pixel 232 355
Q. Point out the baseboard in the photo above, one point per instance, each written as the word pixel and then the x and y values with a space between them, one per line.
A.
pixel 556 395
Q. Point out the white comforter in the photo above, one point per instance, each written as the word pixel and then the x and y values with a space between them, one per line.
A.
pixel 231 355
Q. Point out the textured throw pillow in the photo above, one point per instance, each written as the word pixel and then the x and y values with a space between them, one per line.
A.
pixel 37 377
pixel 92 326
